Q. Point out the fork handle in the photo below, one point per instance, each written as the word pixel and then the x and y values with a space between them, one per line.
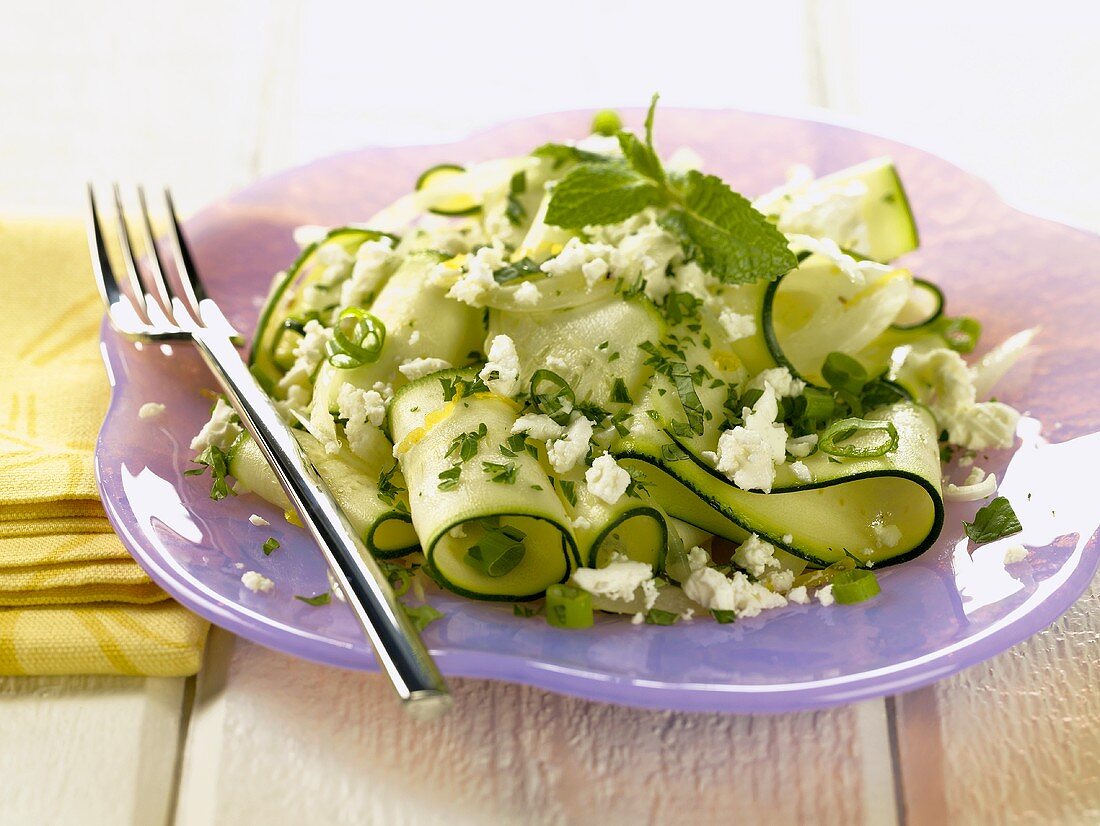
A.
pixel 397 645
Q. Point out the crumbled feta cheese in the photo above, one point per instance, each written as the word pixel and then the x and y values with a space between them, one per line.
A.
pixel 538 426
pixel 501 370
pixel 556 364
pixel 781 380
pixel 1015 553
pixel 578 256
pixel 372 262
pixel 150 410
pixel 220 431
pixel 748 453
pixel 737 325
pixel 363 411
pixel 414 338
pixel 737 593
pixel 414 369
pixel 698 558
pixel 478 276
pixel 647 253
pixel 332 253
pixel 600 144
pixel 857 271
pixel 564 453
pixel 971 492
pixel 798 595
pixel 258 521
pixel 650 592
pixel 693 279
pixel 457 532
pixel 309 352
pixel 756 556
pixel 832 212
pixel 975 476
pixel 780 581
pixel 953 400
pixel 801 472
pixel 527 294
pixel 788 538
pixel 256 582
pixel 825 595
pixel 581 524
pixel 637 619
pixel 886 535
pixel 606 480
pixel 802 446
pixel 618 580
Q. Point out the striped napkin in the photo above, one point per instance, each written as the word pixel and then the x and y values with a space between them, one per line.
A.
pixel 72 601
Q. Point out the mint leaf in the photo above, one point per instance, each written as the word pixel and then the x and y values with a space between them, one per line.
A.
pixel 994 521
pixel 733 241
pixel 561 154
pixel 642 157
pixel 600 194
pixel 649 119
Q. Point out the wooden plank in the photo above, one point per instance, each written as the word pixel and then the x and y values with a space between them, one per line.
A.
pixel 1013 740
pixel 88 749
pixel 275 739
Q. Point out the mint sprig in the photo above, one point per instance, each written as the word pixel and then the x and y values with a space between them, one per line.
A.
pixel 715 224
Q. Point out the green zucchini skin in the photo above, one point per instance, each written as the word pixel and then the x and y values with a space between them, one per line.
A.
pixel 352 485
pixel 424 426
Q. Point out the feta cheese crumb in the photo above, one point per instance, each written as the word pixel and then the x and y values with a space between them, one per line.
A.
pixel 150 410
pixel 372 262
pixel 756 556
pixel 478 277
pixel 258 521
pixel 798 595
pixel 825 595
pixel 737 325
pixel 1015 553
pixel 556 364
pixel 886 535
pixel 414 369
pixel 362 410
pixel 748 453
pixel 527 294
pixel 606 480
pixel 637 619
pixel 576 256
pixel 802 446
pixel 618 580
pixel 501 370
pixel 564 453
pixel 737 593
pixel 781 380
pixel 788 538
pixel 220 431
pixel 256 582
pixel 538 426
pixel 801 472
pixel 414 338
pixel 309 234
pixel 581 524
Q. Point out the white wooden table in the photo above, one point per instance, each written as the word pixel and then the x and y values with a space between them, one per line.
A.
pixel 228 91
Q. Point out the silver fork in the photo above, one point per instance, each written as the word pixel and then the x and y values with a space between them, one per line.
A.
pixel 185 313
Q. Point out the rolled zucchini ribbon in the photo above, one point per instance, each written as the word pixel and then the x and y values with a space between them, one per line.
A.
pixel 881 510
pixel 380 517
pixel 495 494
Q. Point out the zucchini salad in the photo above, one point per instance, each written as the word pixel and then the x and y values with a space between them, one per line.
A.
pixel 606 381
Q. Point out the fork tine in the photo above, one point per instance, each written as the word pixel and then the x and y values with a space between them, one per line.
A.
pixel 101 264
pixel 185 263
pixel 128 256
pixel 156 263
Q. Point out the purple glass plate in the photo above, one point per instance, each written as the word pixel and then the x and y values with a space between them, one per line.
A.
pixel 949 609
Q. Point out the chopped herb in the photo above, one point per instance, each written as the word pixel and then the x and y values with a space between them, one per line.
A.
pixel 319 599
pixel 613 357
pixel 215 459
pixel 723 616
pixel 448 479
pixel 517 269
pixel 994 521
pixel 388 491
pixel 465 444
pixel 524 610
pixel 655 616
pixel 619 393
pixel 552 396
pixel 498 551
pixel 271 544
pixel 502 472
pixel 672 452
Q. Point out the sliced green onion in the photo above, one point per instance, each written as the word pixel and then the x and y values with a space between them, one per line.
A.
pixel 844 373
pixel 816 405
pixel 962 333
pixel 858 438
pixel 552 395
pixel 270 545
pixel 357 339
pixel 606 122
pixel 421 616
pixel 854 586
pixel 568 607
pixel 499 551
pixel 399 577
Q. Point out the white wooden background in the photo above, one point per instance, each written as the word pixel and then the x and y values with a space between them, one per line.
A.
pixel 219 92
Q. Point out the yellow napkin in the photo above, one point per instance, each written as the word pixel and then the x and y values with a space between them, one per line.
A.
pixel 72 601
